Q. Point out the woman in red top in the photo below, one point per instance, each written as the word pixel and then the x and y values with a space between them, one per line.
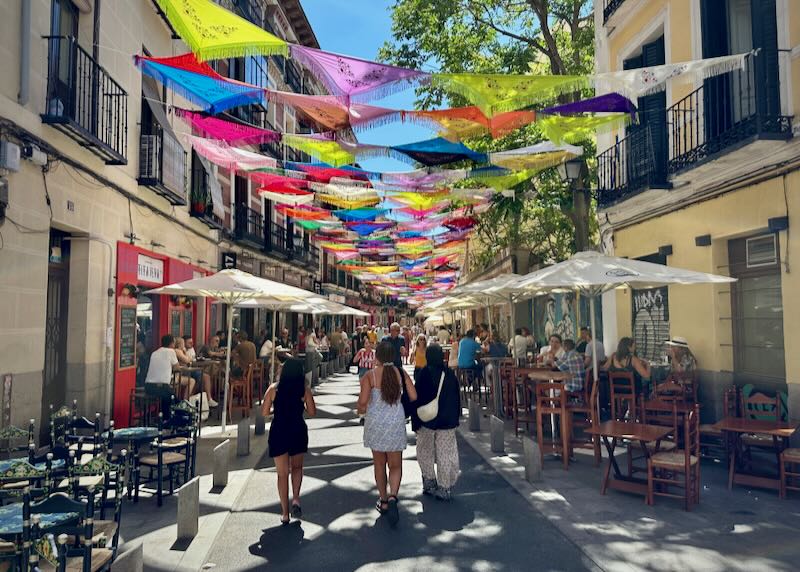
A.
pixel 365 358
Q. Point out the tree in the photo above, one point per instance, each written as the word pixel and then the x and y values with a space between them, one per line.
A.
pixel 505 36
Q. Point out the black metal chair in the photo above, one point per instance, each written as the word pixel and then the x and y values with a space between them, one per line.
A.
pixel 172 456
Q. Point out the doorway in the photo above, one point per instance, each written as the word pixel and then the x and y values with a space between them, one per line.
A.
pixel 54 377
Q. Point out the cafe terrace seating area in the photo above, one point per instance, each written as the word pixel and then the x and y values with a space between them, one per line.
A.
pixel 62 496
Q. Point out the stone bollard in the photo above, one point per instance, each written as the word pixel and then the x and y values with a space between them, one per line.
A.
pixel 474 416
pixel 189 509
pixel 243 438
pixel 532 460
pixel 497 434
pixel 131 560
pixel 222 456
pixel 261 423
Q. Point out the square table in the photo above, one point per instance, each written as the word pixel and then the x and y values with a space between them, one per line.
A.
pixel 611 432
pixel 734 428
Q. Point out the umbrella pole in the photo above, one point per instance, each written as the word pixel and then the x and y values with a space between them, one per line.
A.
pixel 272 359
pixel 227 368
pixel 596 375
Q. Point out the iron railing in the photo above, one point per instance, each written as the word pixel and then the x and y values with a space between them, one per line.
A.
pixel 249 226
pixel 609 7
pixel 200 201
pixel 162 165
pixel 725 112
pixel 84 101
pixel 627 167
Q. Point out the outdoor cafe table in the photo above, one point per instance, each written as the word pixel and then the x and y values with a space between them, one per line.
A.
pixel 611 432
pixel 133 437
pixel 734 428
pixel 11 519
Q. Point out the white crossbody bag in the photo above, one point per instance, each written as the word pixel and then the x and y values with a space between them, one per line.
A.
pixel 429 411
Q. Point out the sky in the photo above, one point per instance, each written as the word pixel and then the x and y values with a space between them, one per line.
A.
pixel 359 28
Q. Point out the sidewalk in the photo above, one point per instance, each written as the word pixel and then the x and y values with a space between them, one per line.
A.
pixel 747 530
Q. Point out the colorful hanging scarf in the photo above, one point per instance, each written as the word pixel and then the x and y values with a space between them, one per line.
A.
pixel 353 77
pixel 213 33
pixel 329 152
pixel 293 198
pixel 608 103
pixel 577 128
pixel 344 202
pixel 504 182
pixel 198 83
pixel 304 212
pixel 464 122
pixel 535 157
pixel 347 192
pixel 227 131
pixel 639 82
pixel 328 112
pixel 366 228
pixel 439 151
pixel 496 93
pixel 227 157
pixel 319 174
pixel 360 214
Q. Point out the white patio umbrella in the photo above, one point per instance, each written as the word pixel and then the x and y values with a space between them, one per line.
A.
pixel 233 287
pixel 502 288
pixel 592 273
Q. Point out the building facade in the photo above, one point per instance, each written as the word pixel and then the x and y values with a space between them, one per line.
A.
pixel 707 179
pixel 105 199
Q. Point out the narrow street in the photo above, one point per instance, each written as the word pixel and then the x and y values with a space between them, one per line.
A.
pixel 487 527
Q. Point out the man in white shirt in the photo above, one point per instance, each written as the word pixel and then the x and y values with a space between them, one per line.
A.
pixel 444 336
pixel 518 346
pixel 592 346
pixel 191 353
pixel 158 382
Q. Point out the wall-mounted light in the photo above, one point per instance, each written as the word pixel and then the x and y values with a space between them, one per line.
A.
pixel 702 240
pixel 184 257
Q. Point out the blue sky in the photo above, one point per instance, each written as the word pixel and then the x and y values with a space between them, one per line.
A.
pixel 359 28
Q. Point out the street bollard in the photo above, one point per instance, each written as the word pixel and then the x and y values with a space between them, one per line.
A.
pixel 532 460
pixel 497 428
pixel 131 560
pixel 261 423
pixel 189 509
pixel 222 456
pixel 243 438
pixel 474 416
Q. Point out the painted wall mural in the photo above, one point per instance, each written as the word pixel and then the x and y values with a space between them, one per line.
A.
pixel 650 321
pixel 555 314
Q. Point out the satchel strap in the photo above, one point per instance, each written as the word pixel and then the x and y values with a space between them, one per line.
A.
pixel 441 382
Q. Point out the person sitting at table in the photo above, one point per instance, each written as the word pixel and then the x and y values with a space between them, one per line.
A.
pixel 589 347
pixel 212 349
pixel 284 340
pixel 452 361
pixel 201 379
pixel 468 350
pixel 495 347
pixel 242 355
pixel 553 351
pixel 158 383
pixel 681 358
pixel 529 340
pixel 572 362
pixel 188 343
pixel 518 347
pixel 625 359
pixel 265 353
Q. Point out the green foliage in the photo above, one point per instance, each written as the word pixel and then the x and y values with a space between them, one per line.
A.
pixel 503 36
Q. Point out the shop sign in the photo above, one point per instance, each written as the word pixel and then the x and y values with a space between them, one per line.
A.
pixel 228 260
pixel 150 269
pixel 247 264
pixel 271 272
pixel 293 279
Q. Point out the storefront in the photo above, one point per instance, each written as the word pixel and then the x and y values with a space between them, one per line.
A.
pixel 142 319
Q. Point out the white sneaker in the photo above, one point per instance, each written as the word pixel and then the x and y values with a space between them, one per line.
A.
pixel 212 403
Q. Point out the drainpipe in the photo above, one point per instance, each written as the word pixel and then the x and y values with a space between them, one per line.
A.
pixel 24 53
pixel 108 341
pixel 96 32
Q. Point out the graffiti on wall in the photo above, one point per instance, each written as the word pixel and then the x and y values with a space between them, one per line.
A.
pixel 650 321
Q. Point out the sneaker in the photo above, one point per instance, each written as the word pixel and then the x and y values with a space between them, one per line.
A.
pixel 444 494
pixel 429 486
pixel 212 403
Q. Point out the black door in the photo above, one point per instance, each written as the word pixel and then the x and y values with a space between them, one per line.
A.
pixel 650 133
pixel 54 380
pixel 62 79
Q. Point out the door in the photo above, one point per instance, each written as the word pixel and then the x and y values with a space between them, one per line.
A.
pixel 54 378
pixel 62 81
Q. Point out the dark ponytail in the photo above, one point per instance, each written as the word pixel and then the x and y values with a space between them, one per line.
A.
pixel 390 380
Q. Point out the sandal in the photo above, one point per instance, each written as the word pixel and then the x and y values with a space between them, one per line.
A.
pixel 393 513
pixel 379 506
pixel 285 522
pixel 297 512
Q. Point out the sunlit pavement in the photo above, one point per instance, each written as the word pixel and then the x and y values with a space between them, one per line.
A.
pixel 488 526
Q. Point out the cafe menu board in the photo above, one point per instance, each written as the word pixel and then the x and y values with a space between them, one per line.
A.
pixel 187 323
pixel 127 337
pixel 175 327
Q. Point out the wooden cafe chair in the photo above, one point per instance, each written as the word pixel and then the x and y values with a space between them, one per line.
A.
pixel 551 399
pixel 667 470
pixel 240 393
pixel 622 390
pixel 584 413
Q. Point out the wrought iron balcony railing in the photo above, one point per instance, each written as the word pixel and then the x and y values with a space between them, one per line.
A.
pixel 249 226
pixel 609 7
pixel 627 168
pixel 200 200
pixel 84 101
pixel 162 166
pixel 726 112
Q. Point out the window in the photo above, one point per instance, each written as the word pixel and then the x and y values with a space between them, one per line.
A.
pixel 758 346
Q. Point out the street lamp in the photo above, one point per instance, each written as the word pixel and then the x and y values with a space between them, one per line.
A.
pixel 570 170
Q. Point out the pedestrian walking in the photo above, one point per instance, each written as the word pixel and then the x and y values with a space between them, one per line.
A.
pixel 289 399
pixel 437 450
pixel 385 426
pixel 419 353
pixel 365 359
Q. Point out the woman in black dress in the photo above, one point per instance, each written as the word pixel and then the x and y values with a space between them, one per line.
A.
pixel 288 435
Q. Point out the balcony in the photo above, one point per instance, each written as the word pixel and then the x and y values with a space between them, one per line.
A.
pixel 251 10
pixel 85 102
pixel 201 203
pixel 609 7
pixel 162 166
pixel 249 227
pixel 725 113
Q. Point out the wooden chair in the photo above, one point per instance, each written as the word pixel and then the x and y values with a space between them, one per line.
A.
pixel 759 406
pixel 664 469
pixel 18 442
pixel 505 368
pixel 585 405
pixel 688 380
pixel 789 471
pixel 712 440
pixel 622 388
pixel 670 390
pixel 240 393
pixel 662 414
pixel 175 459
pixel 551 399
pixel 522 404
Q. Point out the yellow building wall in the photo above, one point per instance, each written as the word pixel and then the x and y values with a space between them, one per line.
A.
pixel 702 313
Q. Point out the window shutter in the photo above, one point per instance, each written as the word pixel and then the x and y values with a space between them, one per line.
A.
pixel 765 37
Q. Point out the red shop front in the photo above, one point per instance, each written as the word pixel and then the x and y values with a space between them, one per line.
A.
pixel 142 319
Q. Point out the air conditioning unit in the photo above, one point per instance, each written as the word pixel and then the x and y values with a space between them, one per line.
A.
pixel 762 251
pixel 9 156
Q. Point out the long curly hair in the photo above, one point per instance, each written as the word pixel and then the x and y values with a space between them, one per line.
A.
pixel 390 380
